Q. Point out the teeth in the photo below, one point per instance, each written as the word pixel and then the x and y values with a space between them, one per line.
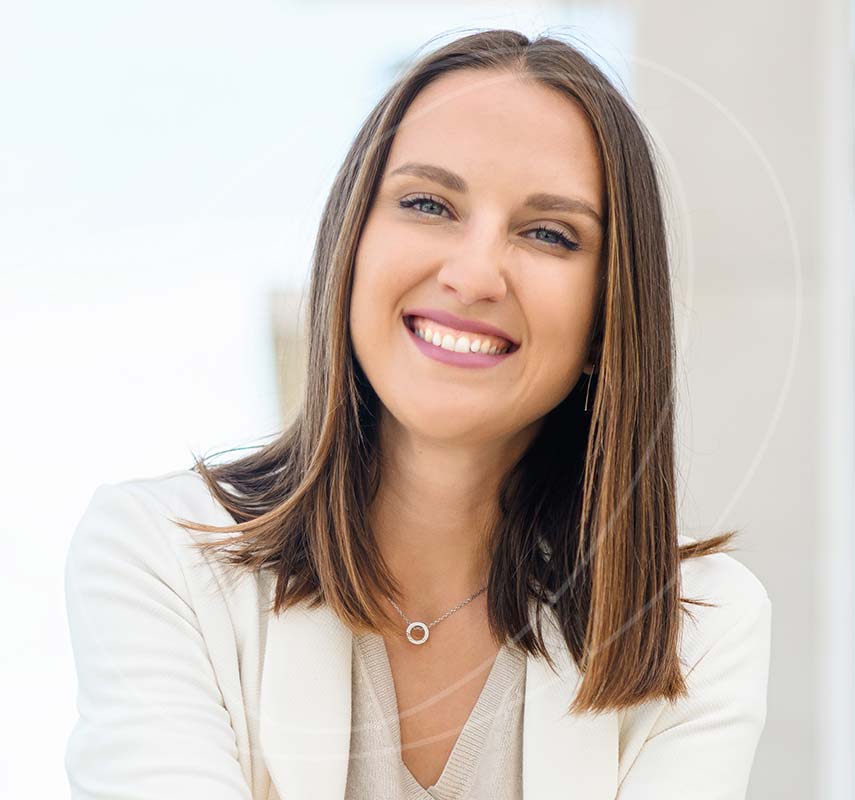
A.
pixel 461 344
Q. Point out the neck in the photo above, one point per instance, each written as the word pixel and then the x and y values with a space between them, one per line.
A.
pixel 434 513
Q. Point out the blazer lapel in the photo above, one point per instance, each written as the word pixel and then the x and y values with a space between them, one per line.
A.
pixel 305 707
pixel 304 723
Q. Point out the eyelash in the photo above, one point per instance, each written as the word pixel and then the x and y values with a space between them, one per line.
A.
pixel 567 244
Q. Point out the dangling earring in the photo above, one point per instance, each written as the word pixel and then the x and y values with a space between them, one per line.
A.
pixel 590 374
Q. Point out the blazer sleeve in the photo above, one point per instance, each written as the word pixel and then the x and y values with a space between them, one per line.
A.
pixel 702 747
pixel 151 720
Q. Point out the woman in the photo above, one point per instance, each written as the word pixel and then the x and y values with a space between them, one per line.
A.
pixel 458 572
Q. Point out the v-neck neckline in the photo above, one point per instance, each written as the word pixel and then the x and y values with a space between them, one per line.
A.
pixel 455 775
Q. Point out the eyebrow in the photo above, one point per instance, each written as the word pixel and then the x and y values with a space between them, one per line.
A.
pixel 540 201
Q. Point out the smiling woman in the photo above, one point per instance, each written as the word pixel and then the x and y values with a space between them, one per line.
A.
pixel 480 226
pixel 465 548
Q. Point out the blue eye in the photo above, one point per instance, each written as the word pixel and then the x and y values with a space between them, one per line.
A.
pixel 413 201
pixel 563 240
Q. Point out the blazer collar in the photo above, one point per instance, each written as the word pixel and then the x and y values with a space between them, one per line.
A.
pixel 305 707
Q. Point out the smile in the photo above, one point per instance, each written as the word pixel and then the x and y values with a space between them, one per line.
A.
pixel 458 341
pixel 457 351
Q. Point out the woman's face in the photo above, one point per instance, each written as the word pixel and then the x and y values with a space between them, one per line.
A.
pixel 467 237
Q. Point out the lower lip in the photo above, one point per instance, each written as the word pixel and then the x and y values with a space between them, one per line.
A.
pixel 470 360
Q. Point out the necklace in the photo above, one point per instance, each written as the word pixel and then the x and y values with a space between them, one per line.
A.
pixel 412 626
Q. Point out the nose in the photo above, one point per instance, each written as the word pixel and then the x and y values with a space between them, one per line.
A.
pixel 475 266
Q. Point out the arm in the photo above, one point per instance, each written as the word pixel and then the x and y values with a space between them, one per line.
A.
pixel 152 724
pixel 702 747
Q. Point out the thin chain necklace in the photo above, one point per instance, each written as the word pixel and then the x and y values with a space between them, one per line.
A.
pixel 412 626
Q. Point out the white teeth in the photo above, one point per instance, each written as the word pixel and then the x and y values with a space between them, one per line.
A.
pixel 461 345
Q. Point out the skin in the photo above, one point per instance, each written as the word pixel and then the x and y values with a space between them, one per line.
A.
pixel 448 434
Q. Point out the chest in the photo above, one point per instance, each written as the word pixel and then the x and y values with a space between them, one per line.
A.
pixel 437 690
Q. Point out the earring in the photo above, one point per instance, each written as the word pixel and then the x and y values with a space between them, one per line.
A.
pixel 590 374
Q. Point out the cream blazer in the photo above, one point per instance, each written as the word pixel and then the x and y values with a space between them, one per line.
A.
pixel 187 689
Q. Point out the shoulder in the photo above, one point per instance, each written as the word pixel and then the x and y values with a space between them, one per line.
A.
pixel 133 525
pixel 156 500
pixel 733 591
pixel 702 744
pixel 725 582
pixel 166 652
pixel 181 492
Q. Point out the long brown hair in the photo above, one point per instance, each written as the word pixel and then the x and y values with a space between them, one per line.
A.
pixel 588 519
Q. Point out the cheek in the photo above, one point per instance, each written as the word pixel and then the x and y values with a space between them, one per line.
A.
pixel 369 267
pixel 560 328
pixel 361 299
pixel 379 284
pixel 385 268
pixel 563 309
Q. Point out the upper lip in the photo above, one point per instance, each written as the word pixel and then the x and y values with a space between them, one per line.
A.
pixel 472 325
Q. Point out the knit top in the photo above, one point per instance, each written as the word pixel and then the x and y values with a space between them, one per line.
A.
pixel 486 760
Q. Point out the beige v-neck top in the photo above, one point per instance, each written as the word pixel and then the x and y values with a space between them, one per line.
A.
pixel 486 761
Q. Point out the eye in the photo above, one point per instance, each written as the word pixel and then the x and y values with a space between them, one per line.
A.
pixel 562 239
pixel 427 199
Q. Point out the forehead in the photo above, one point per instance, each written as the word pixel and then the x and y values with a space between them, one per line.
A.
pixel 499 130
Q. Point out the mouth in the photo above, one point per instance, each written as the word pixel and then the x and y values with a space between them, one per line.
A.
pixel 512 347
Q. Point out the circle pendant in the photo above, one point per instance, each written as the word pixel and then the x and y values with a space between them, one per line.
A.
pixel 412 626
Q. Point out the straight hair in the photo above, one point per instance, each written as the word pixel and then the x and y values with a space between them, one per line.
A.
pixel 587 520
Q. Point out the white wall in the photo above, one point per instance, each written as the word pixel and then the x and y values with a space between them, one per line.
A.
pixel 751 101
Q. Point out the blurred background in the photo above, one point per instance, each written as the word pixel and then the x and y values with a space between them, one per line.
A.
pixel 162 172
